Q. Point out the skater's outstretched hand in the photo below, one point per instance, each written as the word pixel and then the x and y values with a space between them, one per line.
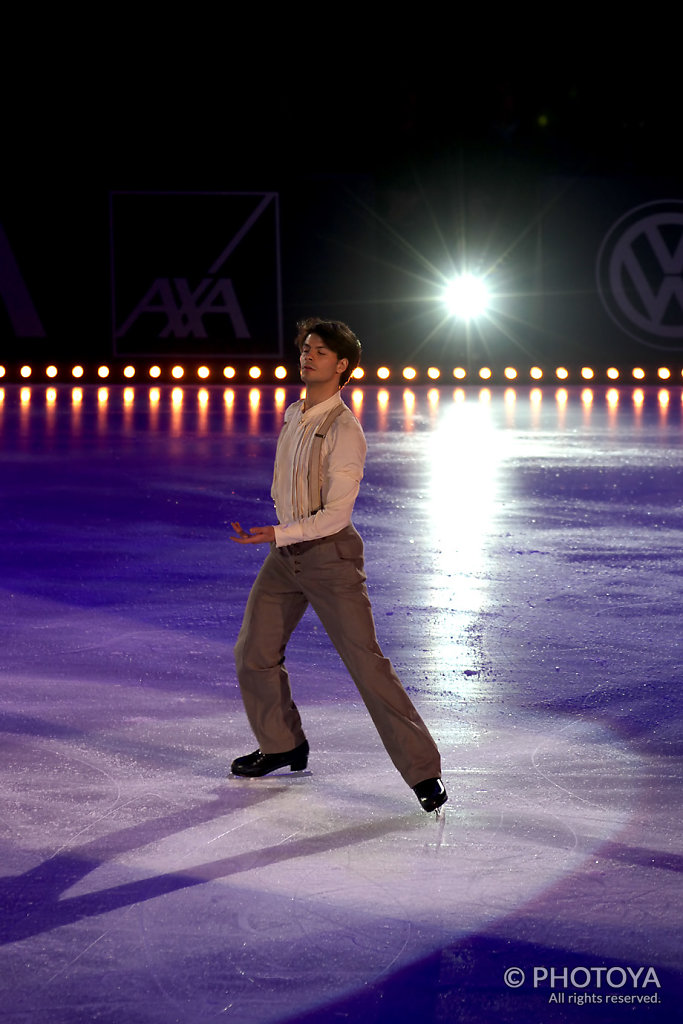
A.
pixel 256 535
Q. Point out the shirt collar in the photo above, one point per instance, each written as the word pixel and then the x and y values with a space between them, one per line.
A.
pixel 320 410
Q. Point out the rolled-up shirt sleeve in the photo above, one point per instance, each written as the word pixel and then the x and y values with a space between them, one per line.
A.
pixel 343 460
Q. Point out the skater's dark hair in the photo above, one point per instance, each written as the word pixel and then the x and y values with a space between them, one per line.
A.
pixel 337 336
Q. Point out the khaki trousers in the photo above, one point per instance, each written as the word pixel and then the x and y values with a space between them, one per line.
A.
pixel 327 574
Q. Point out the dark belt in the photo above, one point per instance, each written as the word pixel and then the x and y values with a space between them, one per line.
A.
pixel 298 549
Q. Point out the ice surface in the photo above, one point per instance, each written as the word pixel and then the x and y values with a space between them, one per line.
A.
pixel 525 560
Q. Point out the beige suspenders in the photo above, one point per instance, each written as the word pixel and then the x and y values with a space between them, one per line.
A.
pixel 315 468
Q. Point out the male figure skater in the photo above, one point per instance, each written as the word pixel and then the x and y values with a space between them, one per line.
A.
pixel 316 558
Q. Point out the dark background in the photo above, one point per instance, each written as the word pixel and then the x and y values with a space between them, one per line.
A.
pixel 400 156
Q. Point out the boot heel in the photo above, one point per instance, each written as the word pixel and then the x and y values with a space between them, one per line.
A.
pixel 299 763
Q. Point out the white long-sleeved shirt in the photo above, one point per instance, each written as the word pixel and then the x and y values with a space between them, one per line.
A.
pixel 343 459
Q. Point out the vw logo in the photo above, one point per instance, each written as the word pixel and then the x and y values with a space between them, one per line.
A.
pixel 640 273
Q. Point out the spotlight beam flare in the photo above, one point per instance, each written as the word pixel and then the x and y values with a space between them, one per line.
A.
pixel 467 297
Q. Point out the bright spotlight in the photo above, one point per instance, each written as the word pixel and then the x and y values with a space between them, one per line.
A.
pixel 466 297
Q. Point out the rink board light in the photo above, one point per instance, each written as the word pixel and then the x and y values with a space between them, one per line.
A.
pixel 277 373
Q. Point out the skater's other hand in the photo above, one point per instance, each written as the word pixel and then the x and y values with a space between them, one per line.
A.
pixel 256 535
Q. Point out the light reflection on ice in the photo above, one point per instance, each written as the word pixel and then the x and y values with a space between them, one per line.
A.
pixel 466 450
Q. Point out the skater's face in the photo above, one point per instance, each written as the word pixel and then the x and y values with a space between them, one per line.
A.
pixel 320 364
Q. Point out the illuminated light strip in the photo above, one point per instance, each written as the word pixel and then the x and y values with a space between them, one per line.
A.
pixel 246 373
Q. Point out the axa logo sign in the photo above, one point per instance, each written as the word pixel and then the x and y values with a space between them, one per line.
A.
pixel 640 273
pixel 196 273
pixel 184 307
